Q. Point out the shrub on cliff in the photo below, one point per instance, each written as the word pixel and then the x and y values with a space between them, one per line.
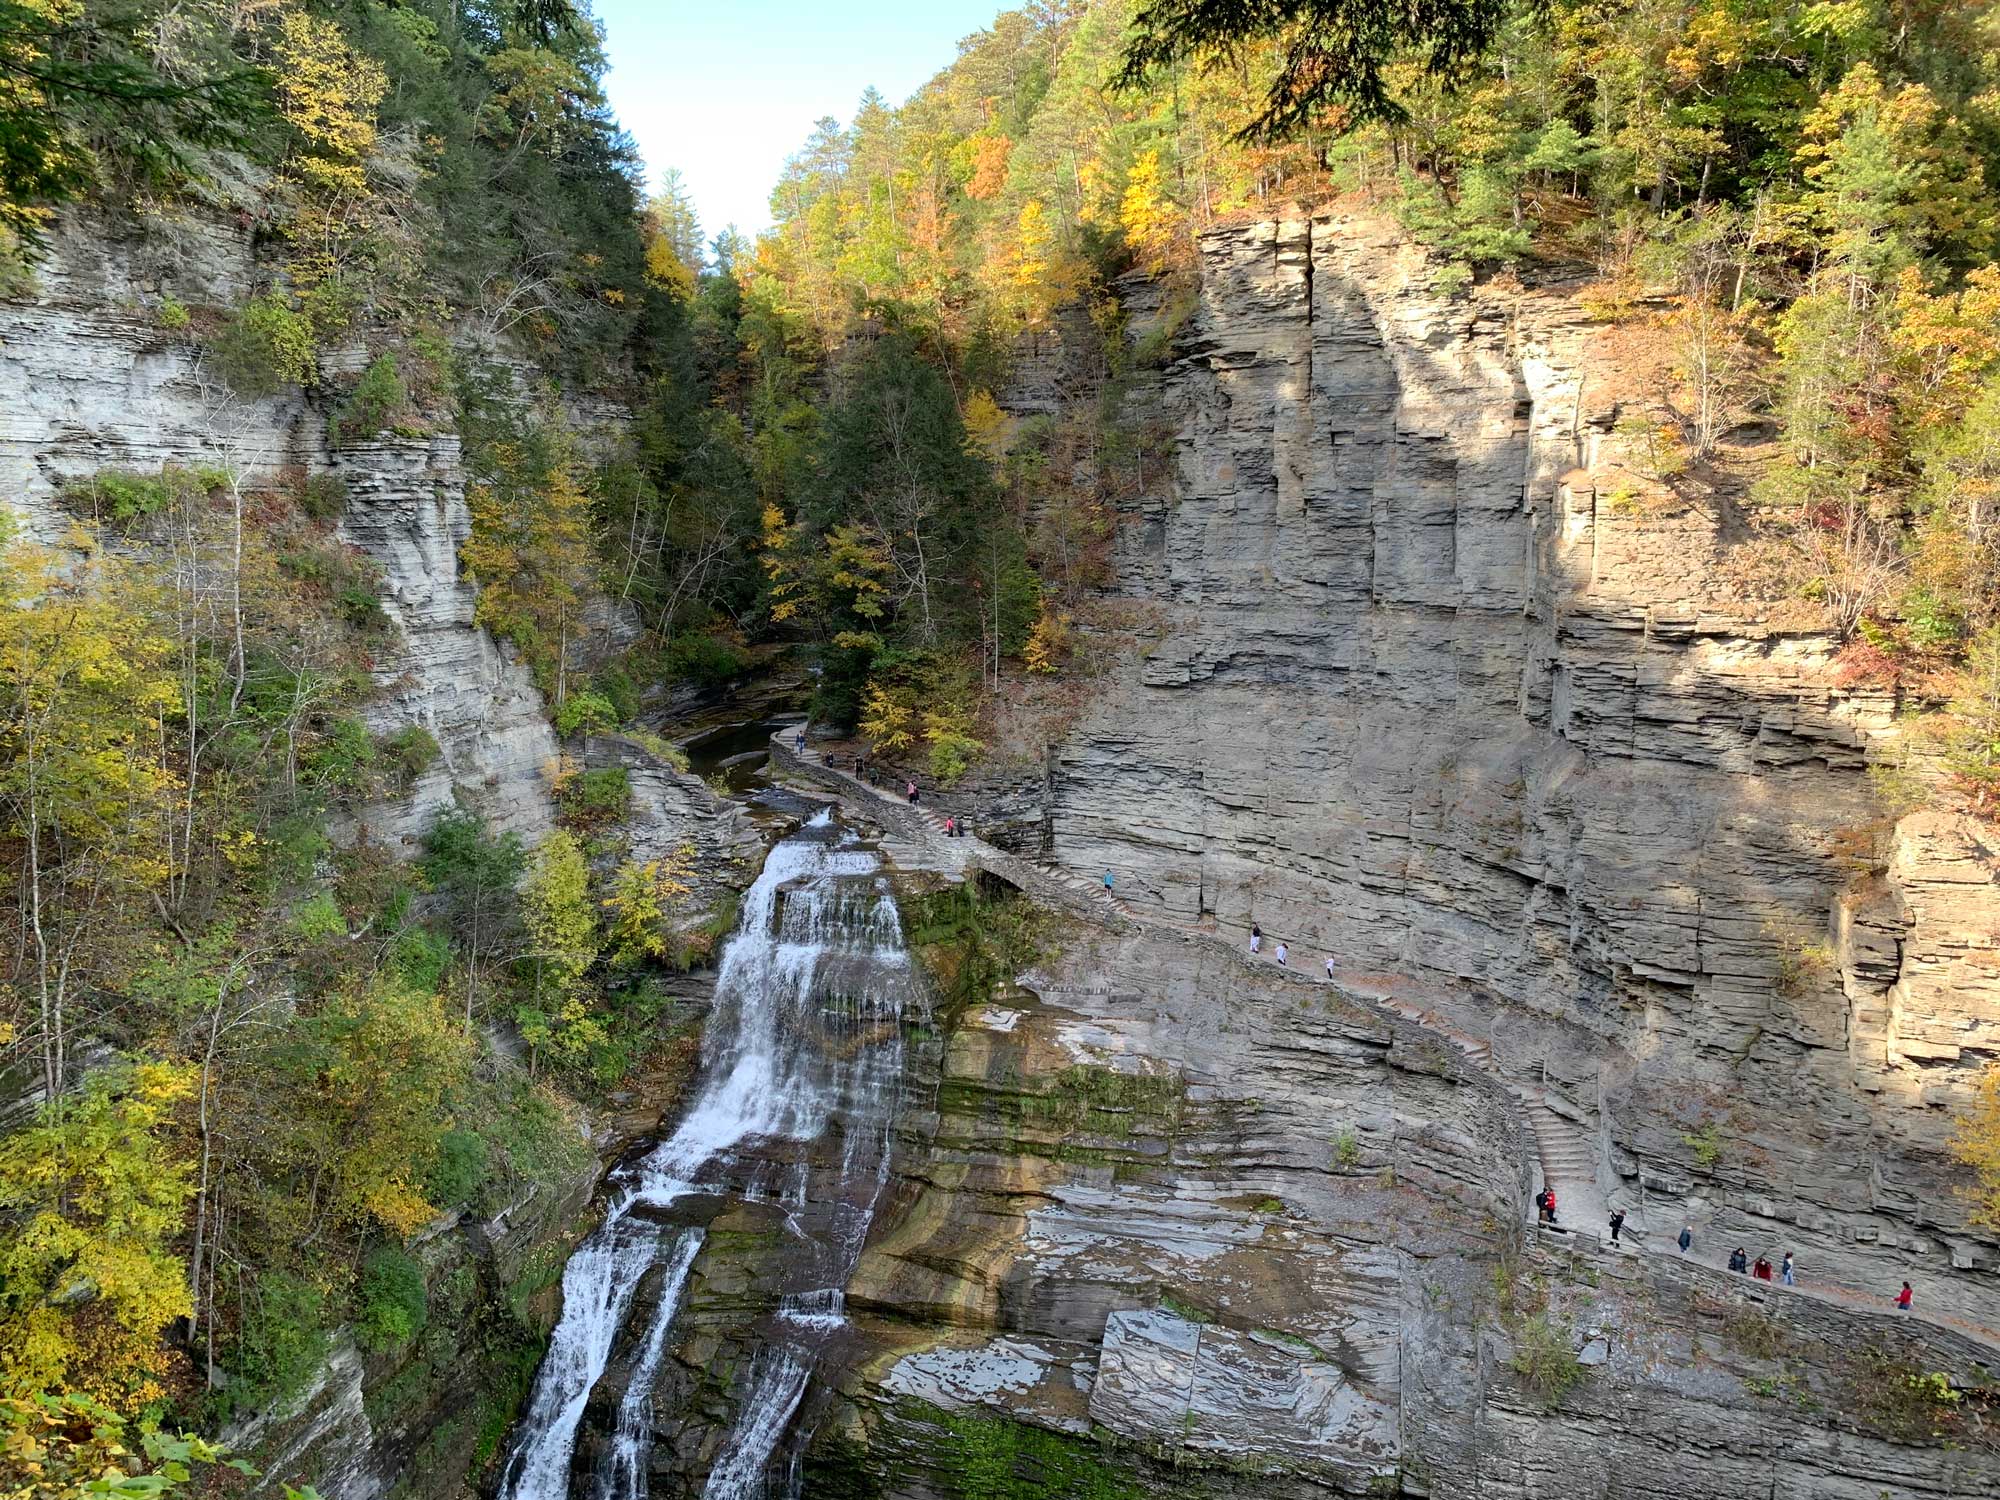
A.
pixel 1544 1360
pixel 265 348
pixel 391 1305
pixel 1976 1143
pixel 372 405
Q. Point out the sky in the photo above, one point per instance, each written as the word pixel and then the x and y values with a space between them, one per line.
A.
pixel 725 90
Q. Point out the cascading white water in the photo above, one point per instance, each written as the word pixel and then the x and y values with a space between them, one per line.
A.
pixel 623 1476
pixel 598 1284
pixel 805 1035
pixel 777 1385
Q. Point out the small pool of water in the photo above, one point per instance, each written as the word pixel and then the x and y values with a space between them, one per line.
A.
pixel 739 754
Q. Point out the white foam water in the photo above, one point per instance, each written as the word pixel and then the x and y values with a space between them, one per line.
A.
pixel 623 1476
pixel 805 1034
pixel 598 1284
pixel 777 1385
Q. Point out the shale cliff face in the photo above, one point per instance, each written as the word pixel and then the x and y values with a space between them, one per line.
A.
pixel 1181 1225
pixel 1433 675
pixel 93 383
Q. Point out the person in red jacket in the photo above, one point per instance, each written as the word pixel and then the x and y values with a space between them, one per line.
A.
pixel 1903 1297
pixel 1552 1203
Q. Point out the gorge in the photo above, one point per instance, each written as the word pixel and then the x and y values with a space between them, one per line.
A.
pixel 636 856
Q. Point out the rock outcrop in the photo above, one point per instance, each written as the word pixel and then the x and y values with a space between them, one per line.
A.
pixel 1432 673
pixel 94 383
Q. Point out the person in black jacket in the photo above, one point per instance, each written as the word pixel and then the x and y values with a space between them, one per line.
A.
pixel 1617 1223
pixel 1738 1261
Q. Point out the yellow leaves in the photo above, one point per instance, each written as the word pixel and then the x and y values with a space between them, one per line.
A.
pixel 1716 38
pixel 666 270
pixel 858 561
pixel 1034 242
pixel 1048 643
pixel 948 733
pixel 20 97
pixel 1975 1142
pixel 387 1059
pixel 398 1207
pixel 929 704
pixel 84 691
pixel 556 910
pixel 240 848
pixel 986 426
pixel 94 1199
pixel 779 566
pixel 642 899
pixel 1151 220
pixel 1094 185
pixel 888 718
pixel 327 93
pixel 1944 345
pixel 533 549
pixel 1039 273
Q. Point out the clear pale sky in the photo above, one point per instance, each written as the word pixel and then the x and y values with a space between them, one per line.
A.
pixel 727 89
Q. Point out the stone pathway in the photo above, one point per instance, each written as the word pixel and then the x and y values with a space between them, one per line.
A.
pixel 1564 1156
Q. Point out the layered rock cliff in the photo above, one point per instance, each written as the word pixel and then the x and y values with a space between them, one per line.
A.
pixel 96 383
pixel 1439 678
pixel 1426 669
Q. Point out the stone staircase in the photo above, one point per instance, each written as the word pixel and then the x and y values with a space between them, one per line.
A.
pixel 1568 1165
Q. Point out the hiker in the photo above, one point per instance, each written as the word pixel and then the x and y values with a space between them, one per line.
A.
pixel 1552 1202
pixel 1542 1206
pixel 1282 951
pixel 1903 1298
pixel 1785 1270
pixel 1107 882
pixel 1329 968
pixel 950 828
pixel 911 788
pixel 799 740
pixel 1762 1270
pixel 1738 1261
pixel 1617 1223
pixel 1687 1237
pixel 1256 938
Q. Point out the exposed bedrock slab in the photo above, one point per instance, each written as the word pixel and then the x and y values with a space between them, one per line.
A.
pixel 1260 1241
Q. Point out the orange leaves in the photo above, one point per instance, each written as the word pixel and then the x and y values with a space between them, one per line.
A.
pixel 989 155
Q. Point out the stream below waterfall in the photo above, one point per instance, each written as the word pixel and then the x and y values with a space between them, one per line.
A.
pixel 801 1078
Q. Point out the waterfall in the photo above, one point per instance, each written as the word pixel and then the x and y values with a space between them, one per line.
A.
pixel 624 1474
pixel 777 1385
pixel 805 1038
